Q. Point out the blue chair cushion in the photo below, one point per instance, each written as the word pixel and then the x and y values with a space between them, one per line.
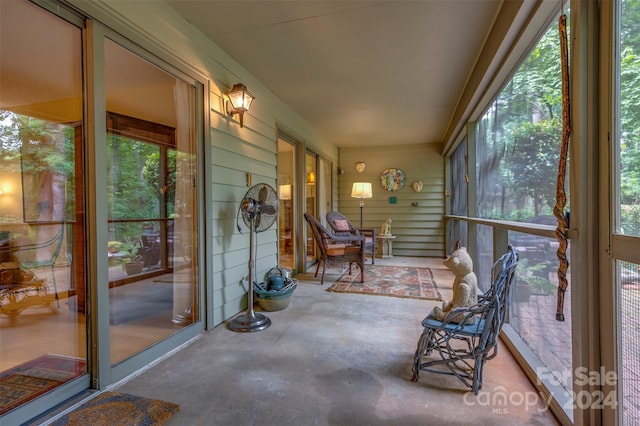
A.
pixel 468 330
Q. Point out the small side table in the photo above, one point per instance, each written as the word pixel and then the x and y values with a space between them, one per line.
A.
pixel 385 246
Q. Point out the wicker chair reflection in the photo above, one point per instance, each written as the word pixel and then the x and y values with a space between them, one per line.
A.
pixel 460 349
pixel 54 246
pixel 342 226
pixel 336 248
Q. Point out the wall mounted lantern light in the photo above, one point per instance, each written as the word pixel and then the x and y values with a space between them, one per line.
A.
pixel 361 190
pixel 239 101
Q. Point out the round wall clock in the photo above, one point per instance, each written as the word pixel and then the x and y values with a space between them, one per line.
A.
pixel 392 179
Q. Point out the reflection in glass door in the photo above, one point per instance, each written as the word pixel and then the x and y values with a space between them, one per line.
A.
pixel 42 279
pixel 151 189
pixel 311 204
pixel 287 197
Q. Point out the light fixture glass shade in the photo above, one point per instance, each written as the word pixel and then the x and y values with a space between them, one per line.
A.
pixel 284 192
pixel 311 178
pixel 361 190
pixel 240 98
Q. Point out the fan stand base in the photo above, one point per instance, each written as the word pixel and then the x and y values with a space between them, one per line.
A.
pixel 249 322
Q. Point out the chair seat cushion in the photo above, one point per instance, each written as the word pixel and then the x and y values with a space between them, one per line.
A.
pixel 341 225
pixel 468 330
pixel 336 249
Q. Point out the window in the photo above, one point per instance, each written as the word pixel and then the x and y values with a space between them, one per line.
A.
pixel 518 139
pixel 517 149
pixel 459 183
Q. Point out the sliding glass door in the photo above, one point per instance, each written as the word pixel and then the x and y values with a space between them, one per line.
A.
pixel 311 203
pixel 287 194
pixel 297 249
pixel 43 330
pixel 141 170
pixel 151 203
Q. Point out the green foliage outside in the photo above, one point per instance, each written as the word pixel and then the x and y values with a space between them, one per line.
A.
pixel 129 195
pixel 533 275
pixel 38 151
pixel 35 149
pixel 536 146
pixel 519 137
pixel 629 148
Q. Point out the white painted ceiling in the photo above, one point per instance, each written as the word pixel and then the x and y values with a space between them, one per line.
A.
pixel 361 72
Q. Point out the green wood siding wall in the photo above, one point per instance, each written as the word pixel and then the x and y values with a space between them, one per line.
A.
pixel 419 230
pixel 234 151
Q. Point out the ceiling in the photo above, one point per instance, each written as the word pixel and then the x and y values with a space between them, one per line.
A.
pixel 362 73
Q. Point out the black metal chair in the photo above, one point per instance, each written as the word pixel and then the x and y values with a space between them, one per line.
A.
pixel 336 248
pixel 461 349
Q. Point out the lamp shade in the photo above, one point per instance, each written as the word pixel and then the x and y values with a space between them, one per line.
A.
pixel 285 192
pixel 311 178
pixel 361 190
pixel 240 98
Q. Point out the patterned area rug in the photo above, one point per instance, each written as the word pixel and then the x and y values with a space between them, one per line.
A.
pixel 33 378
pixel 119 409
pixel 396 281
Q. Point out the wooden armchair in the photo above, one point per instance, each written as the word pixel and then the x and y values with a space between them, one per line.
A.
pixel 336 248
pixel 461 349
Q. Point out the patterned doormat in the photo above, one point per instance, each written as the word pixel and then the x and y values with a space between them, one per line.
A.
pixel 119 409
pixel 27 381
pixel 395 281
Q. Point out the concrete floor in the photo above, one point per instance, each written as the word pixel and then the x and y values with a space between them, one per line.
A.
pixel 333 359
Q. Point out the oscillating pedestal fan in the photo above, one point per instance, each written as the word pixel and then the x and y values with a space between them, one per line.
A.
pixel 259 209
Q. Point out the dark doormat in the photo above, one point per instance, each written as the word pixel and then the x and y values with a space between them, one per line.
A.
pixel 119 409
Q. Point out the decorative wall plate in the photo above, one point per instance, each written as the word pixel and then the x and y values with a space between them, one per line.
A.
pixel 392 179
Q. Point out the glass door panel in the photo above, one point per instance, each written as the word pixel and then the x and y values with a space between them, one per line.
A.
pixel 287 197
pixel 42 277
pixel 311 204
pixel 151 191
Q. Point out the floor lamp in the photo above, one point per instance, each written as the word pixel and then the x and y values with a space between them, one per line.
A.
pixel 361 190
